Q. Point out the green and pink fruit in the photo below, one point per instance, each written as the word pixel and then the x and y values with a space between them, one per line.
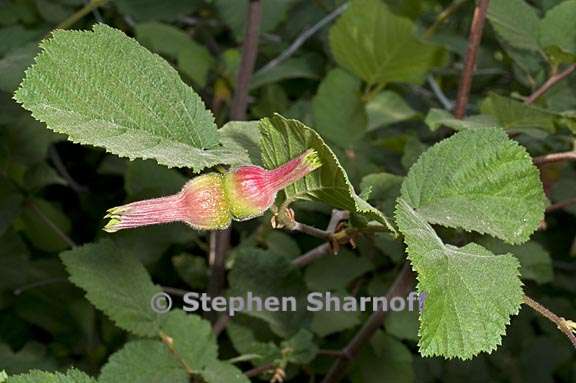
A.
pixel 251 190
pixel 201 204
pixel 211 201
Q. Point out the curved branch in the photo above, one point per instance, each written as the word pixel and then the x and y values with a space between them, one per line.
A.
pixel 563 325
pixel 553 80
pixel 554 157
pixel 400 287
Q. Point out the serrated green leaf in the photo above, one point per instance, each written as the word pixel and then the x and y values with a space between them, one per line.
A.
pixel 102 88
pixel 388 360
pixel 437 118
pixel 194 60
pixel 557 32
pixel 242 137
pixel 31 356
pixel 387 108
pixel 71 376
pixel 481 181
pixel 266 274
pixel 221 372
pixel 516 22
pixel 192 269
pixel 535 262
pixel 333 273
pixel 300 349
pixel 244 335
pixel 192 338
pixel 143 361
pixel 515 115
pixel 325 323
pixel 470 292
pixel 284 139
pixel 379 46
pixel 339 112
pixel 116 283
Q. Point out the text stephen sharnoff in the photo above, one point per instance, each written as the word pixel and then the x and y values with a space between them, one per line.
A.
pixel 314 302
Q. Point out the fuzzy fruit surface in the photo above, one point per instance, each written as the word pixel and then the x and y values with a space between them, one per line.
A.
pixel 211 201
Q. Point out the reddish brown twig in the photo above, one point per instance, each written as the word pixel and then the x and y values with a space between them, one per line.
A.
pixel 400 287
pixel 474 39
pixel 561 205
pixel 554 157
pixel 249 51
pixel 553 80
pixel 562 324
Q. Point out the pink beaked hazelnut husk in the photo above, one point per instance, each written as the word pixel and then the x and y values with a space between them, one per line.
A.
pixel 252 189
pixel 211 201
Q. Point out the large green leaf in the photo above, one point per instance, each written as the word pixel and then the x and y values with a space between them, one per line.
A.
pixel 143 361
pixel 284 139
pixel 194 60
pixel 516 22
pixel 470 292
pixel 192 339
pixel 266 274
pixel 387 108
pixel 480 180
pixel 379 46
pixel 515 115
pixel 102 88
pixel 71 376
pixel 557 32
pixel 116 283
pixel 339 112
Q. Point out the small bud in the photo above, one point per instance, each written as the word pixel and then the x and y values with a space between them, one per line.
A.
pixel 251 190
pixel 201 204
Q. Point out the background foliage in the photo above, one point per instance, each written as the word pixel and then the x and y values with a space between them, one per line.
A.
pixel 376 85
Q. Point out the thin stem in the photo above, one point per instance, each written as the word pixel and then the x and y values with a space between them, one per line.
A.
pixel 312 255
pixel 311 231
pixel 400 287
pixel 551 82
pixel 561 205
pixel 302 38
pixel 220 324
pixel 219 246
pixel 562 324
pixel 59 165
pixel 169 342
pixel 474 40
pixel 259 370
pixel 52 225
pixel 249 51
pixel 73 19
pixel 554 157
pixel 174 291
pixel 445 101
